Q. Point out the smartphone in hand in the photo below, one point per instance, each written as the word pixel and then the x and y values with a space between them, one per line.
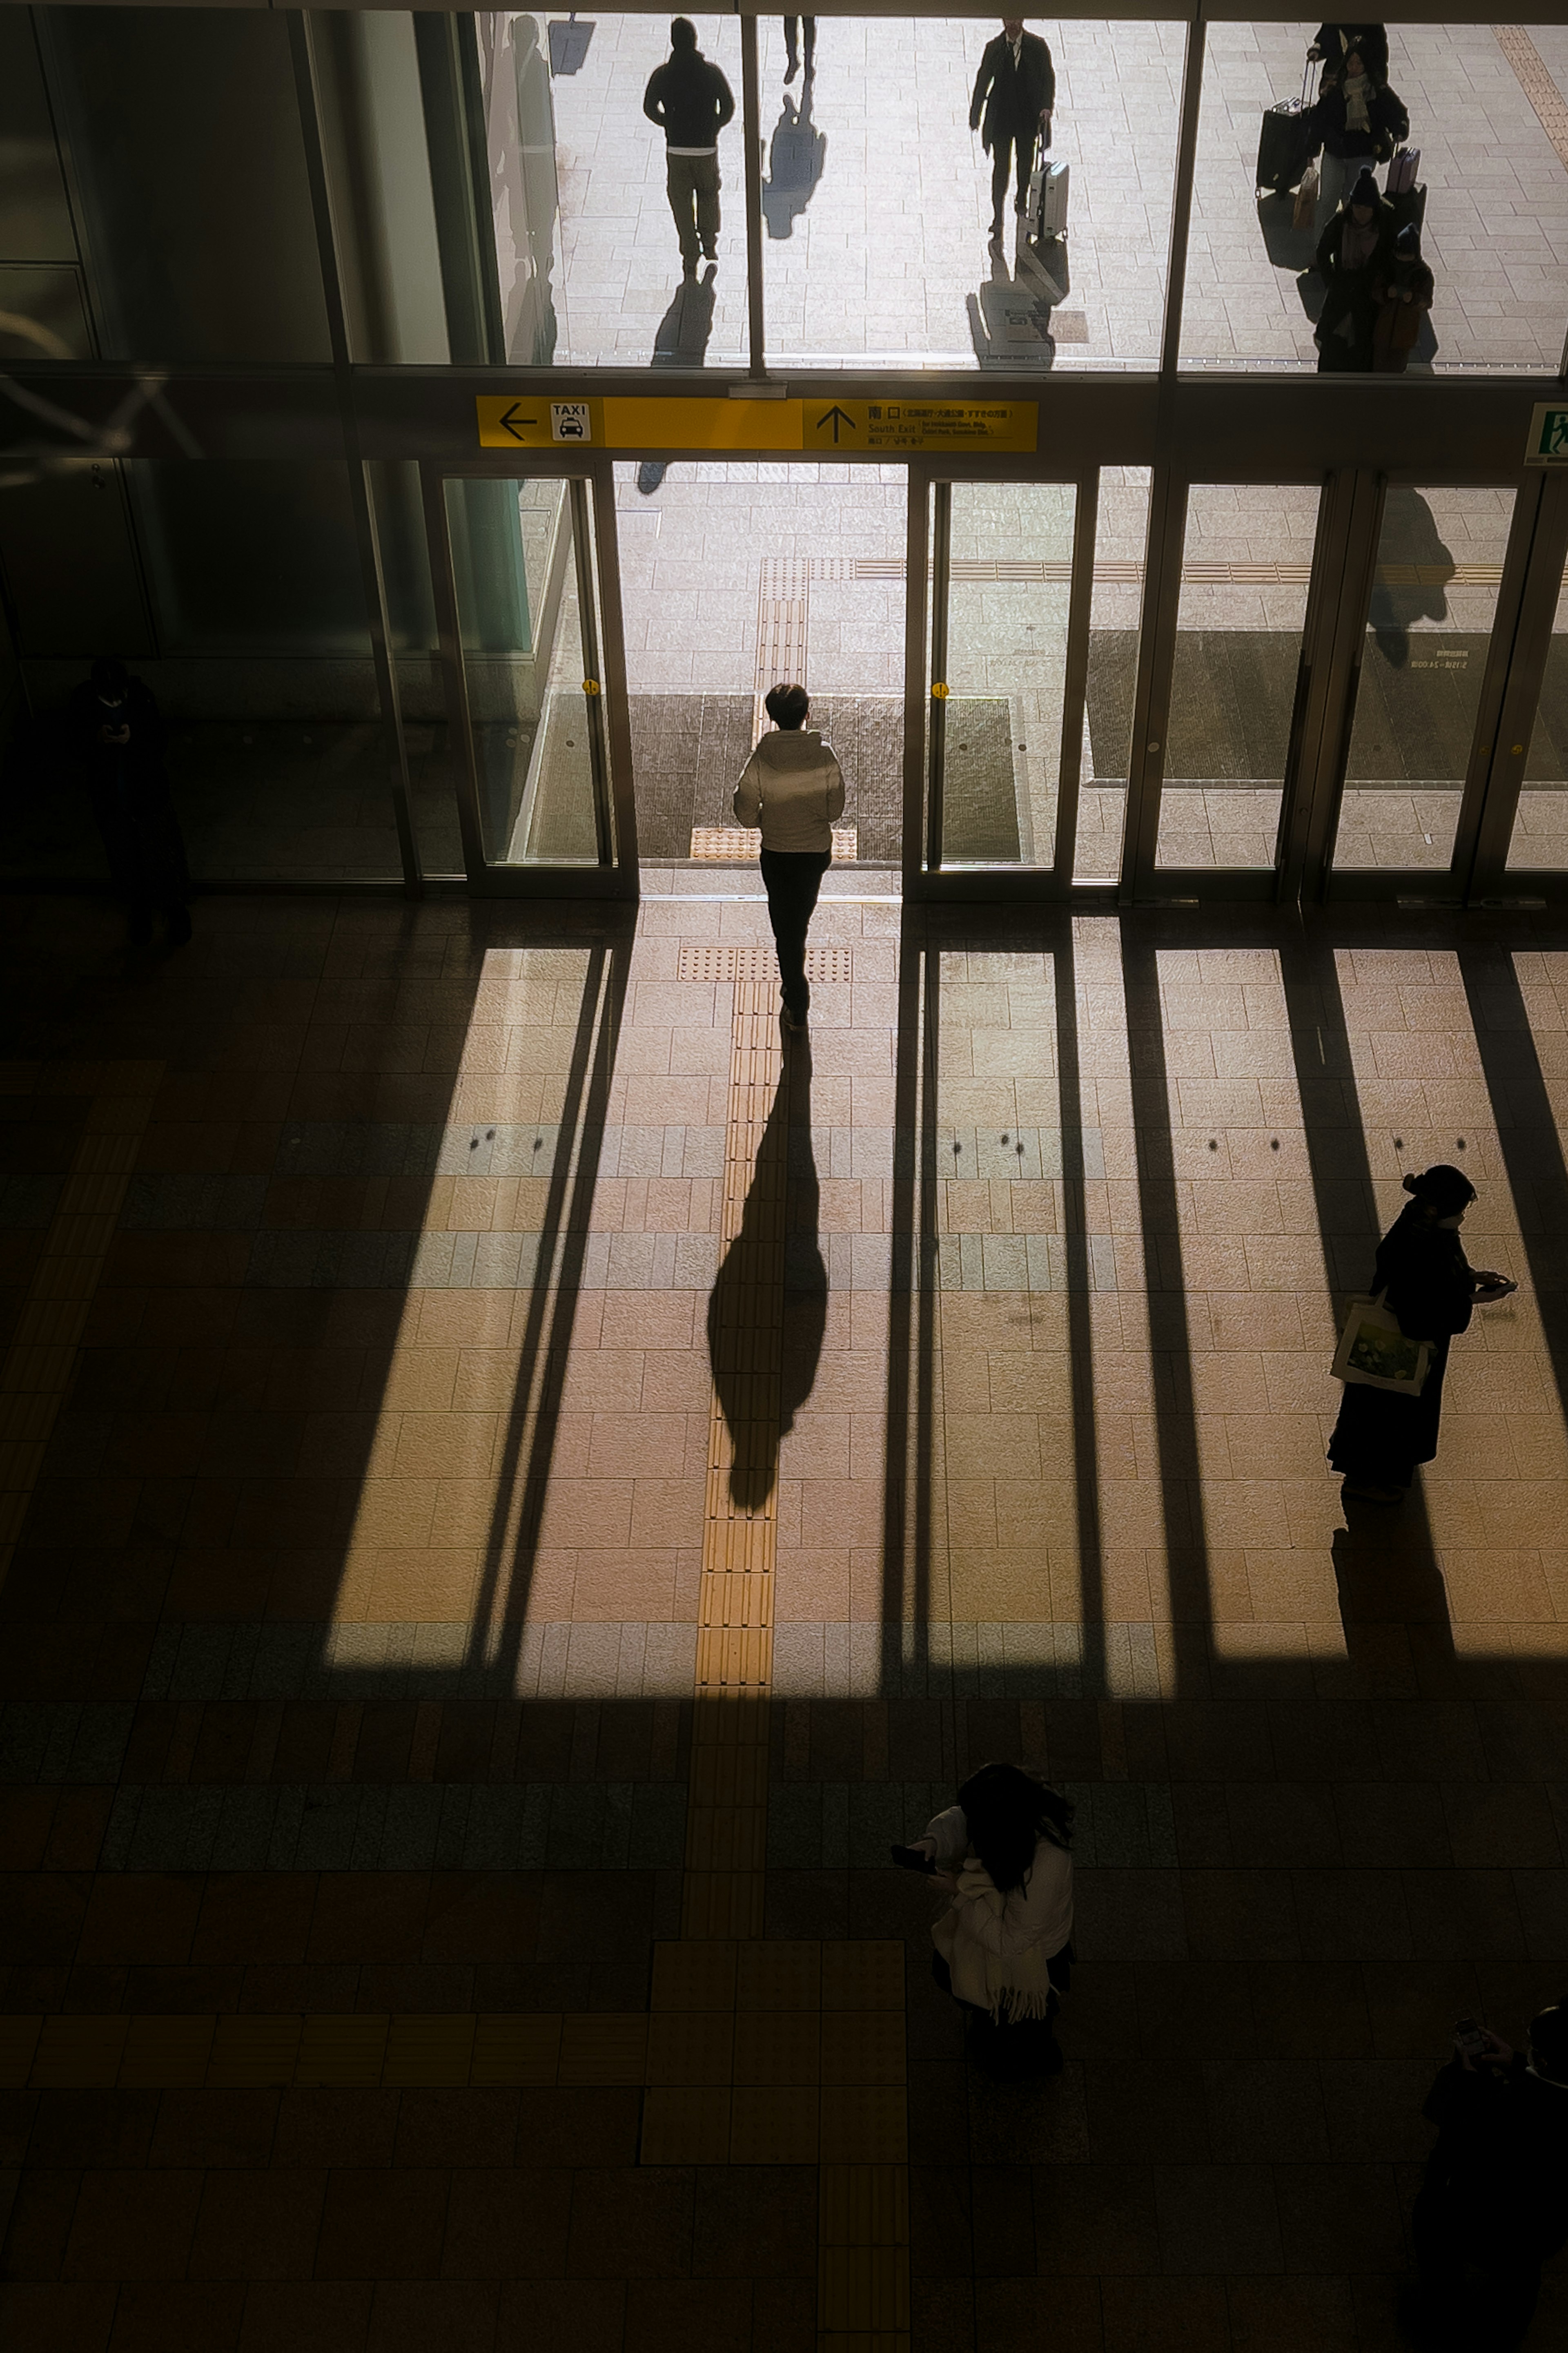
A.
pixel 1469 2038
pixel 913 1858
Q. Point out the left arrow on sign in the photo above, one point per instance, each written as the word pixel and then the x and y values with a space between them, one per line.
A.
pixel 511 421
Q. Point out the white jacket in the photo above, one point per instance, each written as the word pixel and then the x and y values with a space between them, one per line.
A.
pixel 992 1943
pixel 794 787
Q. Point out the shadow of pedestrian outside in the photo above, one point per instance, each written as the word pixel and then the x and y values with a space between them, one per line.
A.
pixel 768 1309
pixel 796 154
pixel 1414 569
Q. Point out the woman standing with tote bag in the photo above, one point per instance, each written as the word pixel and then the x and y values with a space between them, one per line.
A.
pixel 1423 1276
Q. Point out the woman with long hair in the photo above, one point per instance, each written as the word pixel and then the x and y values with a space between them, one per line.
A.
pixel 1004 1945
pixel 1429 1285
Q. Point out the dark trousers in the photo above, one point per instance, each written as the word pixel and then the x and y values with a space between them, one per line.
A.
pixel 789 25
pixel 792 879
pixel 1474 2299
pixel 1001 166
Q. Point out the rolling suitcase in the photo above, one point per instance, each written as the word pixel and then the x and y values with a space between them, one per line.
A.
pixel 1047 204
pixel 1407 206
pixel 1285 144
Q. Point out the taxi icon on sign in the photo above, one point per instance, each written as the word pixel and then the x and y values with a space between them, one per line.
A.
pixel 569 421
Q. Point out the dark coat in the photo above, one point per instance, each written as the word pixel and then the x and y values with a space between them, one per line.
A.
pixel 1382 260
pixel 1012 98
pixel 1370 43
pixel 1388 122
pixel 689 100
pixel 1380 1436
pixel 128 788
pixel 1502 2152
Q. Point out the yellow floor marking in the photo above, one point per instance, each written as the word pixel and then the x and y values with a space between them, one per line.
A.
pixel 41 1359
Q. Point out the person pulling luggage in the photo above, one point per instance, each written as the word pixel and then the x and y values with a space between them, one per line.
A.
pixel 1358 121
pixel 1333 44
pixel 1015 97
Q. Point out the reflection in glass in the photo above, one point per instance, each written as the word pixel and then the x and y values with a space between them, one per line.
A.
pixel 892 258
pixel 1010 583
pixel 1253 291
pixel 1121 532
pixel 1541 823
pixel 535 711
pixel 1246 562
pixel 583 142
pixel 1439 566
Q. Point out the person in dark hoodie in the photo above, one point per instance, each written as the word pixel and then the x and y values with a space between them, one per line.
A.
pixel 794 788
pixel 1403 292
pixel 691 101
pixel 1353 254
pixel 116 735
pixel 1334 43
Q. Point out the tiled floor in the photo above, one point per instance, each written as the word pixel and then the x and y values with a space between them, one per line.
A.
pixel 404 1939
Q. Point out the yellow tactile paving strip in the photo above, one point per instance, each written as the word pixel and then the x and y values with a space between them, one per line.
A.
pixel 726 1823
pixel 37 1367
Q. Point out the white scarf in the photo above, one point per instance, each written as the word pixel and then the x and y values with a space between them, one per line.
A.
pixel 1018 1986
pixel 1356 88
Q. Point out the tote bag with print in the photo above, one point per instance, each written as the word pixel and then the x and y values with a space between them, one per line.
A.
pixel 1375 1354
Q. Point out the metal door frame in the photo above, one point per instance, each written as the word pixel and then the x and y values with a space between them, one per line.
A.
pixel 589 478
pixel 928 585
pixel 1417 886
pixel 1488 880
pixel 1143 881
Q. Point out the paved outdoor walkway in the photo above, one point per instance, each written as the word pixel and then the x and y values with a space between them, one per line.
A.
pixel 878 223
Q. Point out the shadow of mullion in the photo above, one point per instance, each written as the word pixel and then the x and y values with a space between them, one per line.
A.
pixel 906 1483
pixel 501 1604
pixel 1080 1322
pixel 1169 1325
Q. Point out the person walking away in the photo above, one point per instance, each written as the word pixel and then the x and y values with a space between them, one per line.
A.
pixel 691 101
pixel 1004 1945
pixel 1016 89
pixel 117 739
pixel 1354 253
pixel 1359 122
pixel 791 55
pixel 1430 1287
pixel 1334 43
pixel 794 788
pixel 1403 292
pixel 1493 2205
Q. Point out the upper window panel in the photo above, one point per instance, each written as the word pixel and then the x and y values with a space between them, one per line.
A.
pixel 179 140
pixel 618 169
pixel 899 159
pixel 1456 135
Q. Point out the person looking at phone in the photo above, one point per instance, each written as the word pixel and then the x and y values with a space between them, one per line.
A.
pixel 1493 2205
pixel 1004 1945
pixel 1431 1287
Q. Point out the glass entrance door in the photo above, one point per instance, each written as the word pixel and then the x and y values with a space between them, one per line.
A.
pixel 1008 587
pixel 527 609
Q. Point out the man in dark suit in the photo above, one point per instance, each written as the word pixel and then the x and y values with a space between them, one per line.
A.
pixel 1017 88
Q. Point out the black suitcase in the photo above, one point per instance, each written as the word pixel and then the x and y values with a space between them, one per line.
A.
pixel 1410 205
pixel 1285 143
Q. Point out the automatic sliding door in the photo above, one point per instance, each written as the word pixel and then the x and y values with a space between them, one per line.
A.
pixel 1007 654
pixel 1424 662
pixel 522 612
pixel 1237 673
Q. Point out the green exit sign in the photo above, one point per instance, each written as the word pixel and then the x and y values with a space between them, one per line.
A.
pixel 1548 442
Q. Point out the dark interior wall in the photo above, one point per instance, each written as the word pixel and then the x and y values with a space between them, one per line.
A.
pixel 181 137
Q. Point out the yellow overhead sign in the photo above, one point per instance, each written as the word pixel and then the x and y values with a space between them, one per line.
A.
pixel 853 428
pixel 889 426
